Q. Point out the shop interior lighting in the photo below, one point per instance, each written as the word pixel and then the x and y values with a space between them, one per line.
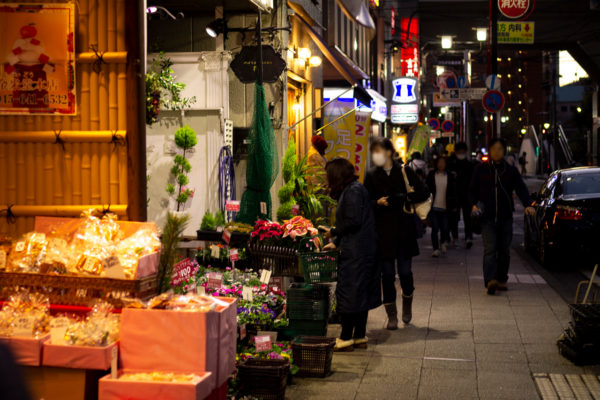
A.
pixel 482 34
pixel 216 27
pixel 315 61
pixel 523 131
pixel 446 42
pixel 578 109
pixel 439 70
pixel 157 9
pixel 546 125
pixel 304 53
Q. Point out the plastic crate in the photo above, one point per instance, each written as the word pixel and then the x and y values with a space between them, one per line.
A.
pixel 303 292
pixel 319 267
pixel 588 314
pixel 308 302
pixel 264 379
pixel 313 355
pixel 306 327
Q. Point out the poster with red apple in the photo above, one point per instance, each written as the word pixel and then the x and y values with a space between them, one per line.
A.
pixel 37 59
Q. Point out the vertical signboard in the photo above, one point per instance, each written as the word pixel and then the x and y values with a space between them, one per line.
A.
pixel 409 54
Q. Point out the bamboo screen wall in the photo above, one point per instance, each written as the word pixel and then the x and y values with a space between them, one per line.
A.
pixel 88 166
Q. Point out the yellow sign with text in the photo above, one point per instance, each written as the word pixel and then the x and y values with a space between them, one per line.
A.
pixel 515 32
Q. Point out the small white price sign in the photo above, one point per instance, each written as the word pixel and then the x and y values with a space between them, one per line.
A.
pixel 247 293
pixel 263 207
pixel 262 343
pixel 265 276
pixel 233 255
pixel 232 205
pixel 226 236
pixel 215 280
pixel 201 290
pixel 215 251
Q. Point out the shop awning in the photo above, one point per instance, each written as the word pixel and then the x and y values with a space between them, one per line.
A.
pixel 356 10
pixel 334 57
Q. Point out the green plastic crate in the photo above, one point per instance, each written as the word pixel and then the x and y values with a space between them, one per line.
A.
pixel 319 267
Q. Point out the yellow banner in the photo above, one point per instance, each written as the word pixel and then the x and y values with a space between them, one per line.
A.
pixel 515 32
pixel 37 59
pixel 361 142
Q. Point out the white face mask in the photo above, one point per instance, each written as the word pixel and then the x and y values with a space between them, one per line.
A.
pixel 461 156
pixel 379 159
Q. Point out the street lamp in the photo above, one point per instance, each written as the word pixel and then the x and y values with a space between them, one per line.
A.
pixel 439 70
pixel 523 131
pixel 546 125
pixel 482 34
pixel 578 109
pixel 446 42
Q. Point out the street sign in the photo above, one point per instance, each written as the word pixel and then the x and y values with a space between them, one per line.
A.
pixel 244 64
pixel 435 135
pixel 434 123
pixel 447 126
pixel 463 94
pixel 516 32
pixel 493 101
pixel 405 113
pixel 492 82
pixel 405 90
pixel 439 101
pixel 448 134
pixel 447 79
pixel 513 8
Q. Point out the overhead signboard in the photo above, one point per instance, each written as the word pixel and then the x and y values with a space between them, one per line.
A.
pixel 409 53
pixel 513 8
pixel 244 64
pixel 378 106
pixel 405 113
pixel 521 32
pixel 439 101
pixel 405 90
pixel 464 94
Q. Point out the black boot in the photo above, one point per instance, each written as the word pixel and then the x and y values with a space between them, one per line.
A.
pixel 407 308
pixel 392 313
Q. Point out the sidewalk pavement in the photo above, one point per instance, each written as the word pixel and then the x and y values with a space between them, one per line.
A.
pixel 461 344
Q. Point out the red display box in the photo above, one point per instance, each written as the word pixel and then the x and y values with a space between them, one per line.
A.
pixel 26 350
pixel 82 357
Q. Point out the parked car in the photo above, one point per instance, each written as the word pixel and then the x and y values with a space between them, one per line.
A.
pixel 566 223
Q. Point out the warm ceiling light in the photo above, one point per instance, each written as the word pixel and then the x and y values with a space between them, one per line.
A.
pixel 546 125
pixel 508 76
pixel 315 61
pixel 446 42
pixel 216 27
pixel 499 59
pixel 152 9
pixel 439 70
pixel 509 59
pixel 482 34
pixel 509 92
pixel 304 53
pixel 520 102
pixel 523 131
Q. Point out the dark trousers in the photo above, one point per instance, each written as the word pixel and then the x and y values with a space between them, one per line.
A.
pixel 388 277
pixel 354 325
pixel 439 222
pixel 496 249
pixel 454 217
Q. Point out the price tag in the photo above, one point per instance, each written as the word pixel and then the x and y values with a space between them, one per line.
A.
pixel 2 259
pixel 265 275
pixel 263 207
pixel 275 282
pixel 20 246
pixel 215 251
pixel 262 343
pixel 232 205
pixel 295 209
pixel 247 293
pixel 182 271
pixel 23 326
pixel 233 255
pixel 58 327
pixel 215 280
pixel 113 268
pixel 220 229
pixel 242 331
pixel 226 236
pixel 201 290
pixel 114 367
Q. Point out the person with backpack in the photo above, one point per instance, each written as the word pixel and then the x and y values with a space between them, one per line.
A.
pixel 395 225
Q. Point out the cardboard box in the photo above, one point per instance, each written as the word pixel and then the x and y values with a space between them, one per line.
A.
pixel 26 350
pixel 82 357
pixel 115 389
pixel 227 339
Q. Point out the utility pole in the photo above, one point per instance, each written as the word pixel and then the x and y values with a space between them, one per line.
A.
pixel 495 125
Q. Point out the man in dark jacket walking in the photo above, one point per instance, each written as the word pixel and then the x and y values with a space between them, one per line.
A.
pixel 491 192
pixel 463 168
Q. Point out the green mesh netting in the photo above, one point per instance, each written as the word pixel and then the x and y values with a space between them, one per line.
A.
pixel 263 164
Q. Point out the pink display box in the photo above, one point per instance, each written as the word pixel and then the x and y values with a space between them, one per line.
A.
pixel 114 389
pixel 227 339
pixel 169 340
pixel 147 265
pixel 82 357
pixel 27 351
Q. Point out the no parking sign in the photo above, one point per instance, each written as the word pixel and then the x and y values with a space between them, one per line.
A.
pixel 434 123
pixel 448 126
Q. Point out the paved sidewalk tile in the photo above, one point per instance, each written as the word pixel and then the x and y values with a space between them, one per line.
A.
pixel 461 344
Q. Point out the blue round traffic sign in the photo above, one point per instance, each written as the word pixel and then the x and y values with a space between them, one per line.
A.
pixel 448 126
pixel 434 123
pixel 493 101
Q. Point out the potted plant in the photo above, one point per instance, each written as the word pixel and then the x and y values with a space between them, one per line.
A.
pixel 185 139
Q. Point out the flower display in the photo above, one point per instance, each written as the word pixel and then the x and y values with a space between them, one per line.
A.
pixel 298 227
pixel 267 232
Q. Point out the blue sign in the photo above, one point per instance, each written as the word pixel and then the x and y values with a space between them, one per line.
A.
pixel 405 90
pixel 434 123
pixel 448 126
pixel 493 101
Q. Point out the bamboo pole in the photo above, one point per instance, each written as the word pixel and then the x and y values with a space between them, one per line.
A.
pixel 30 177
pixel 48 173
pixel 101 136
pixel 76 174
pixel 39 173
pixel 109 57
pixel 120 26
pixel 20 182
pixel 113 162
pixel 11 187
pixel 21 210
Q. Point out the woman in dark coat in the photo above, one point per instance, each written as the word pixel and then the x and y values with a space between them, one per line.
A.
pixel 358 286
pixel 396 228
pixel 442 184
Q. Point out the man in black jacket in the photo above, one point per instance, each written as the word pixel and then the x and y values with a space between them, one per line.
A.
pixel 463 168
pixel 491 192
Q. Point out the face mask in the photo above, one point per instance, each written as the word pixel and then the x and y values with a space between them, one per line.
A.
pixel 379 159
pixel 461 156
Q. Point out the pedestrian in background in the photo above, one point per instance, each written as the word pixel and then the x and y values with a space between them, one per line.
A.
pixel 491 194
pixel 358 288
pixel 418 165
pixel 523 163
pixel 396 229
pixel 463 169
pixel 316 161
pixel 442 185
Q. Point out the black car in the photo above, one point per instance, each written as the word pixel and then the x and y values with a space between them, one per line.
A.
pixel 566 223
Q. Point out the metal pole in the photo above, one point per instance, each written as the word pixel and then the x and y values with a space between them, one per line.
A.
pixel 595 122
pixel 494 55
pixel 291 128
pixel 259 79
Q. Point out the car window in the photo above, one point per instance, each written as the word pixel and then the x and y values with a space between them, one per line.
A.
pixel 548 186
pixel 587 183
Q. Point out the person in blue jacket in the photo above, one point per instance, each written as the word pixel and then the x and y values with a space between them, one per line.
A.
pixel 358 287
pixel 491 194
